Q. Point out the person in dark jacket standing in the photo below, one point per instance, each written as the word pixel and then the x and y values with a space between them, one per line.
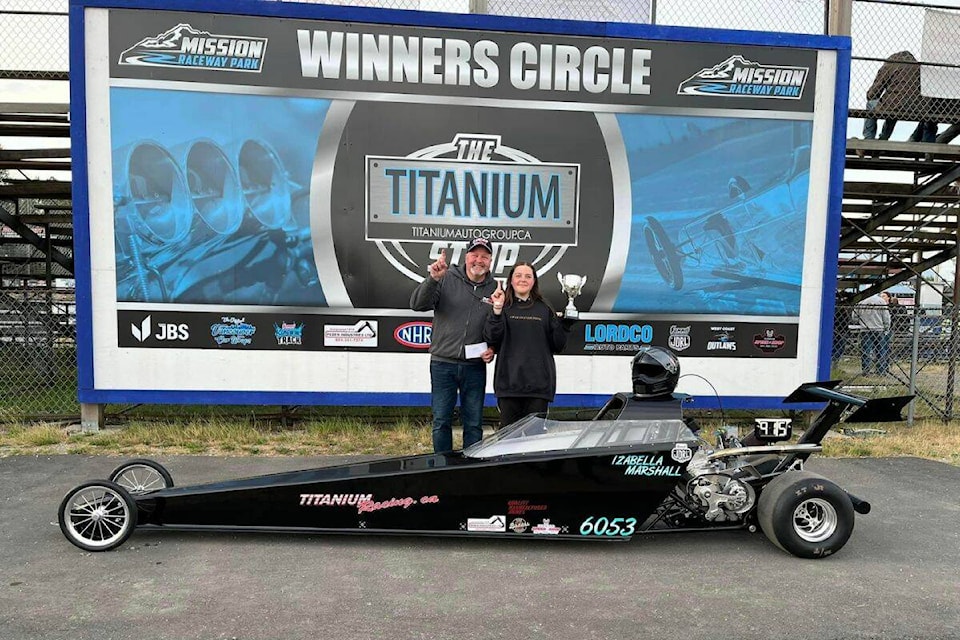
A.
pixel 525 332
pixel 460 299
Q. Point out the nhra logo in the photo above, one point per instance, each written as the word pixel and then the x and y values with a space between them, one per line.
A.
pixel 415 335
pixel 769 341
pixel 679 339
pixel 449 193
pixel 186 47
pixel 740 78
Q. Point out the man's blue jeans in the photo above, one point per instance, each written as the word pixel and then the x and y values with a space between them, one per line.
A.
pixel 874 354
pixel 446 381
pixel 870 124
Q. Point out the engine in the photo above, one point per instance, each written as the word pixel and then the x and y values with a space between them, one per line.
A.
pixel 716 491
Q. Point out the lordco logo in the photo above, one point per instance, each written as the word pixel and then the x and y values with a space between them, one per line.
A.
pixel 447 194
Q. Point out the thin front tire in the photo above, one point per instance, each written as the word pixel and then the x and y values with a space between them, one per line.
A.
pixel 98 516
pixel 142 476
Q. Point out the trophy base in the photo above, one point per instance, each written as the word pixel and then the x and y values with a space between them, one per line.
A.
pixel 571 314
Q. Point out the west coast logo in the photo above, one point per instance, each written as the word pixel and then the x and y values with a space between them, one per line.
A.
pixel 740 78
pixel 447 194
pixel 723 339
pixel 186 47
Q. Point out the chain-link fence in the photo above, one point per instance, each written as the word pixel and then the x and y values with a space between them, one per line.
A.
pixel 906 66
pixel 35 40
pixel 38 361
pixel 899 348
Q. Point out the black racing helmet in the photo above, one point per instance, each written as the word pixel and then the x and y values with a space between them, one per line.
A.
pixel 655 372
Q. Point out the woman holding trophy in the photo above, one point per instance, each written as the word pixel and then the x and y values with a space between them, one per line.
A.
pixel 525 332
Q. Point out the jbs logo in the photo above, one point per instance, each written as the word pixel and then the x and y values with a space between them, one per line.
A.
pixel 166 331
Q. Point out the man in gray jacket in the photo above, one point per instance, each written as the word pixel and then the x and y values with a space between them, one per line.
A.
pixel 873 316
pixel 460 299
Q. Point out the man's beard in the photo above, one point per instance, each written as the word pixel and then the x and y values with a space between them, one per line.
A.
pixel 477 272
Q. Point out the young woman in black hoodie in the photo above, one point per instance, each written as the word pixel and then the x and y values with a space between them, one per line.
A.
pixel 525 332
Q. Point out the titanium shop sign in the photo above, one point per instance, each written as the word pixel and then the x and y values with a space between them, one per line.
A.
pixel 281 176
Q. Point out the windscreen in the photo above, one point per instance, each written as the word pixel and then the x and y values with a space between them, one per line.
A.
pixel 536 433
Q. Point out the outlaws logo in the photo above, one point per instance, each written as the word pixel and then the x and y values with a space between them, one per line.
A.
pixel 437 175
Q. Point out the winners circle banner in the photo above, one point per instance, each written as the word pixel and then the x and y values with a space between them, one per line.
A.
pixel 280 177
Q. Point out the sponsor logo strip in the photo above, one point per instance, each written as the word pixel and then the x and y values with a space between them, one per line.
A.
pixel 397 334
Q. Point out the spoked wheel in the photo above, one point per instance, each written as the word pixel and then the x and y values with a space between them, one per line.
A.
pixel 142 476
pixel 98 516
pixel 805 514
pixel 664 253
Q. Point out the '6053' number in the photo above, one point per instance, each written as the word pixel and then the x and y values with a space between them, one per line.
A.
pixel 608 526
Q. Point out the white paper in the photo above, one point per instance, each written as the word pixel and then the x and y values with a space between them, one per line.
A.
pixel 940 44
pixel 474 350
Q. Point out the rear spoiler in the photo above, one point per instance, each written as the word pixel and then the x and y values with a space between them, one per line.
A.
pixel 869 410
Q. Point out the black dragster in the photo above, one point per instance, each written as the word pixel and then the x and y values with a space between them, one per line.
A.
pixel 624 472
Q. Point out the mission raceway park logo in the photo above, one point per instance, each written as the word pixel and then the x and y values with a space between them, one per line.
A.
pixel 186 47
pixel 447 194
pixel 740 78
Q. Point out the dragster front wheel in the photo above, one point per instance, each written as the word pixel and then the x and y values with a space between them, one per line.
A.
pixel 98 516
pixel 142 476
pixel 664 253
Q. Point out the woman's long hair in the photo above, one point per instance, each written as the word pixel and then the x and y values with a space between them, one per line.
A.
pixel 534 290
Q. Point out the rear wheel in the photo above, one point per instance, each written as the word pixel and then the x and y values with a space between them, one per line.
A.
pixel 664 253
pixel 142 476
pixel 805 514
pixel 98 516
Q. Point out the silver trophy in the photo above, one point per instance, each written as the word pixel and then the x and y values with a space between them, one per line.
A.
pixel 571 285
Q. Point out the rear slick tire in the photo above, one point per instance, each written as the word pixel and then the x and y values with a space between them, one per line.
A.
pixel 805 514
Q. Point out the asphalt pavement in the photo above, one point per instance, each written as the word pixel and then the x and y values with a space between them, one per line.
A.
pixel 898 577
